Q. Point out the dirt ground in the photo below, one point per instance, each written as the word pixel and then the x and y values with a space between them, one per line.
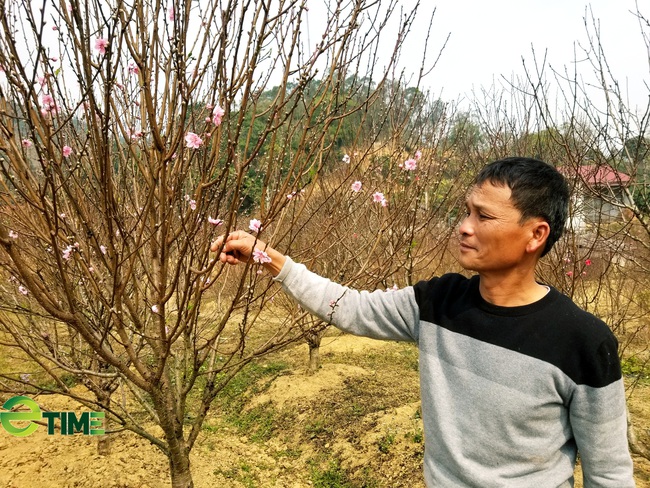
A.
pixel 355 423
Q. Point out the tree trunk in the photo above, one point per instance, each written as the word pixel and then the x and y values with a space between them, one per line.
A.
pixel 104 441
pixel 179 467
pixel 314 357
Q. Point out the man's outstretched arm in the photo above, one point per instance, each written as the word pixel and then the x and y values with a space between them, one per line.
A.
pixel 240 247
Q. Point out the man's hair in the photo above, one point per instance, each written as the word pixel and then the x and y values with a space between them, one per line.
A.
pixel 538 190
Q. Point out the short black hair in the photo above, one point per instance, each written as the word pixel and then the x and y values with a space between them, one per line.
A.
pixel 538 190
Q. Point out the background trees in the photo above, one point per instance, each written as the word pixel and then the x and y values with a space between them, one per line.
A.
pixel 133 132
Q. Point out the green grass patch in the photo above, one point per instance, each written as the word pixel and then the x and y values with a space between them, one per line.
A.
pixel 331 476
pixel 242 473
pixel 258 423
pixel 635 367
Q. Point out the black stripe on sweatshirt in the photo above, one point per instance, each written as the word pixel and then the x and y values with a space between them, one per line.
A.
pixel 554 329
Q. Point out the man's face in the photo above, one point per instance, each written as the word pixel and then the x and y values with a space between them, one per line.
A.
pixel 492 237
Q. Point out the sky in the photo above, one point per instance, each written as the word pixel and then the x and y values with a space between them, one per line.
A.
pixel 489 38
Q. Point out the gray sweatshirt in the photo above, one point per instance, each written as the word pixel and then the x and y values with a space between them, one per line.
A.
pixel 509 394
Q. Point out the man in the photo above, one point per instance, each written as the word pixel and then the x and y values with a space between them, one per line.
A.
pixel 515 378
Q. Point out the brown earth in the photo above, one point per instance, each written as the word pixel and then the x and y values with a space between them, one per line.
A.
pixel 355 423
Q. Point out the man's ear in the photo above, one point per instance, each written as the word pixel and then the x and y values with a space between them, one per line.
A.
pixel 540 231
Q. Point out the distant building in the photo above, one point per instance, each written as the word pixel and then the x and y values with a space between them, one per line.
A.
pixel 600 196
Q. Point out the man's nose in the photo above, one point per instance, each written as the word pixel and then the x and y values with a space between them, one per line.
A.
pixel 466 227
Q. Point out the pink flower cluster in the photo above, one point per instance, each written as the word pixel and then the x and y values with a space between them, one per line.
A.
pixel 410 164
pixel 261 257
pixel 48 106
pixel 67 252
pixel 193 141
pixel 100 45
pixel 295 194
pixel 217 115
pixel 255 225
pixel 379 197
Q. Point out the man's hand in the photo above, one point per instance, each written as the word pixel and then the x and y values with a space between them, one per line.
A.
pixel 241 247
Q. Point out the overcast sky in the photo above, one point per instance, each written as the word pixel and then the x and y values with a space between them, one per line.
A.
pixel 490 37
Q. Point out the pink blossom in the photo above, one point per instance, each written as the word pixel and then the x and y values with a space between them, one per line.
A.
pixel 13 234
pixel 255 225
pixel 356 186
pixel 134 135
pixel 410 164
pixel 102 248
pixel 62 215
pixel 155 309
pixel 261 257
pixel 22 290
pixel 588 262
pixel 217 115
pixel 133 68
pixel 47 100
pixel 192 140
pixel 55 28
pixel 101 44
pixel 346 159
pixel 49 106
pixel 418 155
pixel 67 252
pixel 569 274
pixel 27 143
pixel 216 222
pixel 67 150
pixel 378 197
pixel 171 13
pixel 332 303
pixel 54 59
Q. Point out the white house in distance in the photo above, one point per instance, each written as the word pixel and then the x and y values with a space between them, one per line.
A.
pixel 600 196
